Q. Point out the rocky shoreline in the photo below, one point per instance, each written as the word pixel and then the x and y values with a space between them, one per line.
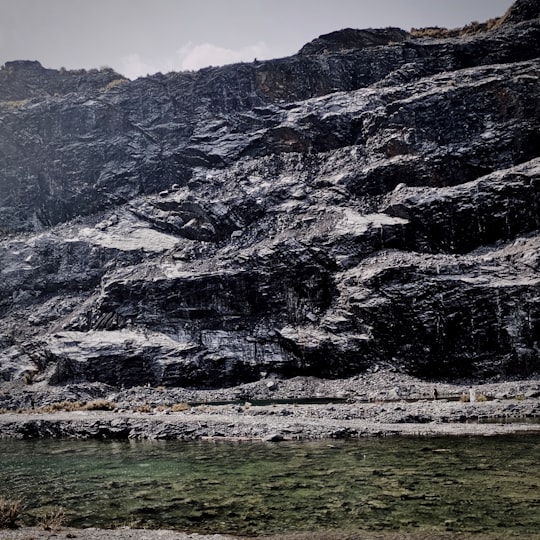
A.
pixel 376 404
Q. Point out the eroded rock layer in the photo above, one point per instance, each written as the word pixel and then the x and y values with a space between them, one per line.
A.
pixel 373 200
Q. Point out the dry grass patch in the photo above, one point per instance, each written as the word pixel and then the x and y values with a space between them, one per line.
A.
pixel 100 405
pixel 9 512
pixel 179 407
pixel 14 104
pixel 53 520
pixel 115 83
pixel 145 408
pixel 470 29
pixel 67 406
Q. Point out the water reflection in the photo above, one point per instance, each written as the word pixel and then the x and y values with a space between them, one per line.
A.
pixel 461 484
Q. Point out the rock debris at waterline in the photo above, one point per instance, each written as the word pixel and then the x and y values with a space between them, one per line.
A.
pixel 369 406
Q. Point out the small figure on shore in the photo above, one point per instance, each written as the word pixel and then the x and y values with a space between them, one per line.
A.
pixel 472 395
pixel 435 394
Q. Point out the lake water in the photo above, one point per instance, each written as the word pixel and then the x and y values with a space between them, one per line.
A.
pixel 408 484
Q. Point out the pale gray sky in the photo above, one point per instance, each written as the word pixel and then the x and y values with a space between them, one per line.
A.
pixel 136 37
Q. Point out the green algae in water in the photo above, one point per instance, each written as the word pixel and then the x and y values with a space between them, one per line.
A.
pixel 489 485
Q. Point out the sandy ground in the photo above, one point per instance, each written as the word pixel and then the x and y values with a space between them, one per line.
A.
pixel 140 534
pixel 35 533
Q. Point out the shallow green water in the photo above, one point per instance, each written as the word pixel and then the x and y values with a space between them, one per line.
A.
pixel 461 484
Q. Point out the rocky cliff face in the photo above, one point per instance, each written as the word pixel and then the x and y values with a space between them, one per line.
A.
pixel 373 200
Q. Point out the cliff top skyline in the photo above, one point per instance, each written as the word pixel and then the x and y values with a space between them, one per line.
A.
pixel 137 37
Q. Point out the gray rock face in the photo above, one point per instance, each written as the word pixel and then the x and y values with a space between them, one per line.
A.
pixel 373 200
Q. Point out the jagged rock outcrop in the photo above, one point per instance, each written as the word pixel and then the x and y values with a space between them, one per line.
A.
pixel 523 10
pixel 23 80
pixel 373 200
pixel 351 38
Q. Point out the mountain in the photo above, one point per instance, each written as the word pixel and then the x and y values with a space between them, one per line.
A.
pixel 373 200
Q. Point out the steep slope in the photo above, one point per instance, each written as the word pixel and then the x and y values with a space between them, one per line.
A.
pixel 373 200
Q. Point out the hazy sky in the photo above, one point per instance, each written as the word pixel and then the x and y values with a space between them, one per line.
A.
pixel 136 37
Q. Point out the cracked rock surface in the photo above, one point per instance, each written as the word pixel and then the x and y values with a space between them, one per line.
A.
pixel 371 201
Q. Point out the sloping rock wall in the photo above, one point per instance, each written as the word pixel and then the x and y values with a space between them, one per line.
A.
pixel 373 200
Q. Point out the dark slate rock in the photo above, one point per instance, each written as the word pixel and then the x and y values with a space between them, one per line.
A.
pixel 373 200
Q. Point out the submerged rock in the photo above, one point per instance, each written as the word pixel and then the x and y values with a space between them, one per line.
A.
pixel 373 200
